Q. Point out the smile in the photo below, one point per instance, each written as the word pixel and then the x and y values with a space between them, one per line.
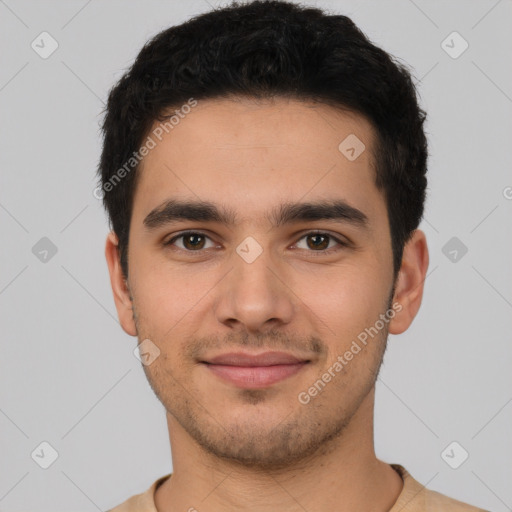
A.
pixel 255 371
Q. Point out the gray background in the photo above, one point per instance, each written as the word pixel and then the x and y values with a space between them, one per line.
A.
pixel 68 375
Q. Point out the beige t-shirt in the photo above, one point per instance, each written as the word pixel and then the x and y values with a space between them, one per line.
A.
pixel 413 498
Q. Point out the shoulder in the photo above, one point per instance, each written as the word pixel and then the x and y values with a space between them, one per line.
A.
pixel 143 502
pixel 417 498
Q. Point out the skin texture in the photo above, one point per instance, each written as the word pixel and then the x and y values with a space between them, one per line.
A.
pixel 262 449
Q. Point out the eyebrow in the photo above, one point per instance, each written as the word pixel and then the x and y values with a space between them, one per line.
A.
pixel 174 210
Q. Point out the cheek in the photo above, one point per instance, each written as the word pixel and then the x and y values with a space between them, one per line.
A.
pixel 345 295
pixel 344 304
pixel 170 304
pixel 164 292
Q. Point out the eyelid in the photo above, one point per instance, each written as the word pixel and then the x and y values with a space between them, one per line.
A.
pixel 340 240
pixel 337 238
pixel 181 234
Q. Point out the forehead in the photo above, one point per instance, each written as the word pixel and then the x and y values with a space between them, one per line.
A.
pixel 256 154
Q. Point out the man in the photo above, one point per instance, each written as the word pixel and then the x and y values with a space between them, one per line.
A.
pixel 264 173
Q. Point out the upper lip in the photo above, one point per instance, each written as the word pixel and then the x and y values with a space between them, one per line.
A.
pixel 263 359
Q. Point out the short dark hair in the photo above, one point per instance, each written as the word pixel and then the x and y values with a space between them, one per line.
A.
pixel 260 50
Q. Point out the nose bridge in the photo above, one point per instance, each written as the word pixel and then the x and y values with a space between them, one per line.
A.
pixel 252 269
pixel 252 292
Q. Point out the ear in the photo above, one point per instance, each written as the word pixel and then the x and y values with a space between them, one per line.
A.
pixel 410 279
pixel 119 286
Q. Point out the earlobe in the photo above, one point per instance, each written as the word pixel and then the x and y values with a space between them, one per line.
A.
pixel 410 282
pixel 119 285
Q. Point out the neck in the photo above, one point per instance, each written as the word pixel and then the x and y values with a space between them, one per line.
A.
pixel 344 475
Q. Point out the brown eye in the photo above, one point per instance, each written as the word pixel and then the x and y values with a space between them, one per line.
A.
pixel 190 241
pixel 320 243
pixel 193 241
pixel 317 241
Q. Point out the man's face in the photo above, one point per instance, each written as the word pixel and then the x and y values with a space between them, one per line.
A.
pixel 257 285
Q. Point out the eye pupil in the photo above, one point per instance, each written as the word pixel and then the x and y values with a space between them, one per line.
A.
pixel 193 241
pixel 320 241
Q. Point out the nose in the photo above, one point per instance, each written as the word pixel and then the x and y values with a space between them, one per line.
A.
pixel 255 295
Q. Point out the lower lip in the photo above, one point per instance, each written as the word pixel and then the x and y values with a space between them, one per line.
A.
pixel 255 377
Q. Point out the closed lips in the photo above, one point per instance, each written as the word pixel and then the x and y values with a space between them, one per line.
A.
pixel 249 360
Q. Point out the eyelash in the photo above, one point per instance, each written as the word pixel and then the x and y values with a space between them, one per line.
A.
pixel 183 234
